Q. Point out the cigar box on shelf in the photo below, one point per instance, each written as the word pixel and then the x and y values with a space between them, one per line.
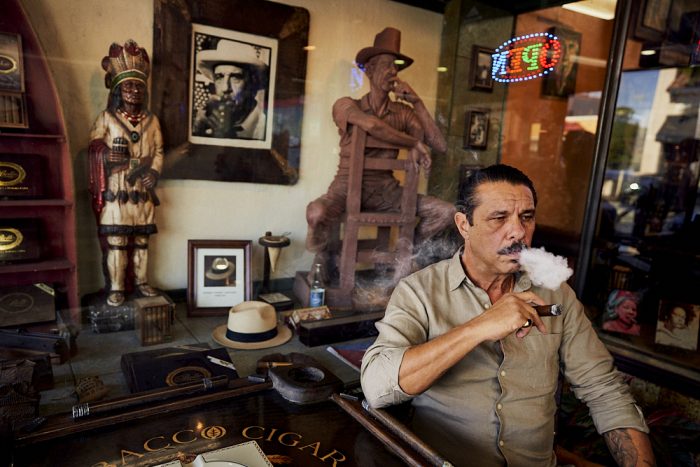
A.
pixel 20 240
pixel 342 327
pixel 21 176
pixel 27 304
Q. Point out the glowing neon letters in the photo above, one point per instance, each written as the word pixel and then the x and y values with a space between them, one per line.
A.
pixel 526 57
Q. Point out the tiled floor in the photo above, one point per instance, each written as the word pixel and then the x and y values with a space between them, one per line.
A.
pixel 99 354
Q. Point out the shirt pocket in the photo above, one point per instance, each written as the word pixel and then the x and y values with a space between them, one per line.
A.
pixel 540 353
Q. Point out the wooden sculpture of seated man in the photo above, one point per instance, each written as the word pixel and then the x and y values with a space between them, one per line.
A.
pixel 403 122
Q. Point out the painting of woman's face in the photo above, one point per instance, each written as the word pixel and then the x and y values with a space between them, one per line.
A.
pixel 627 311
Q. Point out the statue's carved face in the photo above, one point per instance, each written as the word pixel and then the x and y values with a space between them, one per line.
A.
pixel 133 92
pixel 381 71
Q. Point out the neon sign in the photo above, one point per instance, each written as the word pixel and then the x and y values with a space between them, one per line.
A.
pixel 526 57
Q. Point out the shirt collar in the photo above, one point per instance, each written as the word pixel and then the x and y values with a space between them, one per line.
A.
pixel 364 105
pixel 456 275
pixel 455 271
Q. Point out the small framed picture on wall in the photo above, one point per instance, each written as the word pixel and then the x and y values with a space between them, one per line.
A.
pixel 219 275
pixel 476 129
pixel 482 63
pixel 621 312
pixel 677 325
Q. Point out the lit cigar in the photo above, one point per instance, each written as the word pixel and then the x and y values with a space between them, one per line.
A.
pixel 548 310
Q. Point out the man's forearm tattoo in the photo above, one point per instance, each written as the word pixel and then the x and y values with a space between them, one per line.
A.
pixel 622 448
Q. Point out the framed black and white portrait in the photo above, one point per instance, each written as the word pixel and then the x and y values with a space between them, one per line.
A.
pixel 219 275
pixel 256 140
pixel 482 63
pixel 232 80
pixel 476 129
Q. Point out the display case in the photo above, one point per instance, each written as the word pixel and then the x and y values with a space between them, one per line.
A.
pixel 45 142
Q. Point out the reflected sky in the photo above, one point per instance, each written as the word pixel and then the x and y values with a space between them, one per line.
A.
pixel 637 90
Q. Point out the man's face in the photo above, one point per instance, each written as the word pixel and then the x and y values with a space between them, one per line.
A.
pixel 229 81
pixel 504 217
pixel 133 92
pixel 382 71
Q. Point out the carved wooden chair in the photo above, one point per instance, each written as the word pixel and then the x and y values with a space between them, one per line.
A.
pixel 375 251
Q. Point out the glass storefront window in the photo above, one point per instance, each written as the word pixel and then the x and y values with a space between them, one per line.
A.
pixel 546 124
pixel 645 250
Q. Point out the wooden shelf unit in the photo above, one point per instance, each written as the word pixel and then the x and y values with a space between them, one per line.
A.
pixel 46 136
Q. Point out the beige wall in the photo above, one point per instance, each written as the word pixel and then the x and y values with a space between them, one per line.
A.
pixel 76 34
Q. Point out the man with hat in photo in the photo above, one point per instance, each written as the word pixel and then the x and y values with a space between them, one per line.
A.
pixel 402 121
pixel 237 78
pixel 125 158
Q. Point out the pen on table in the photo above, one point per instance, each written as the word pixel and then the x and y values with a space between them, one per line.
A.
pixel 220 362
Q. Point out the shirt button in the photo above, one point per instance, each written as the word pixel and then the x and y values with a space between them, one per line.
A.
pixel 486 305
pixel 503 372
pixel 501 443
pixel 499 406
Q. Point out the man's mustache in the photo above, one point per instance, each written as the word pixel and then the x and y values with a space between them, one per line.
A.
pixel 516 247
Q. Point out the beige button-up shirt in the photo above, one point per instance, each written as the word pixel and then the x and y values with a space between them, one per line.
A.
pixel 496 406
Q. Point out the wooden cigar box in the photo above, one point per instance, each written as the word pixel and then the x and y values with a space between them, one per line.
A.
pixel 27 304
pixel 342 327
pixel 20 240
pixel 21 176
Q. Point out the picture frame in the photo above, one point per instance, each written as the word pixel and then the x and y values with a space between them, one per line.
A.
pixel 219 275
pixel 476 129
pixel 561 82
pixel 621 312
pixel 11 63
pixel 275 161
pixel 481 78
pixel 651 19
pixel 677 324
pixel 216 49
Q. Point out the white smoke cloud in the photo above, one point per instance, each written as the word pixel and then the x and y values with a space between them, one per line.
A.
pixel 544 268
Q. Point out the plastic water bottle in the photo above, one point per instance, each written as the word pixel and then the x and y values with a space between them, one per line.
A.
pixel 317 295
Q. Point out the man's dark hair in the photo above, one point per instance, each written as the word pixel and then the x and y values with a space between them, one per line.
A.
pixel 467 200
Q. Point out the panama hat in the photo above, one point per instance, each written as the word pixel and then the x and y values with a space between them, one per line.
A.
pixel 386 42
pixel 252 325
pixel 221 268
pixel 233 52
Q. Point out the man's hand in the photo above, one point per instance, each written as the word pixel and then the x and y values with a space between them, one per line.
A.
pixel 509 314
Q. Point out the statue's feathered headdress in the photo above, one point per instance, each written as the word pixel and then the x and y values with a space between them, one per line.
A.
pixel 124 63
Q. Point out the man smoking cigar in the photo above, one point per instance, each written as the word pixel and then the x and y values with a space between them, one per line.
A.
pixel 453 342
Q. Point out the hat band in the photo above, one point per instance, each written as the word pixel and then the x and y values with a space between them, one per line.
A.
pixel 251 336
pixel 126 75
